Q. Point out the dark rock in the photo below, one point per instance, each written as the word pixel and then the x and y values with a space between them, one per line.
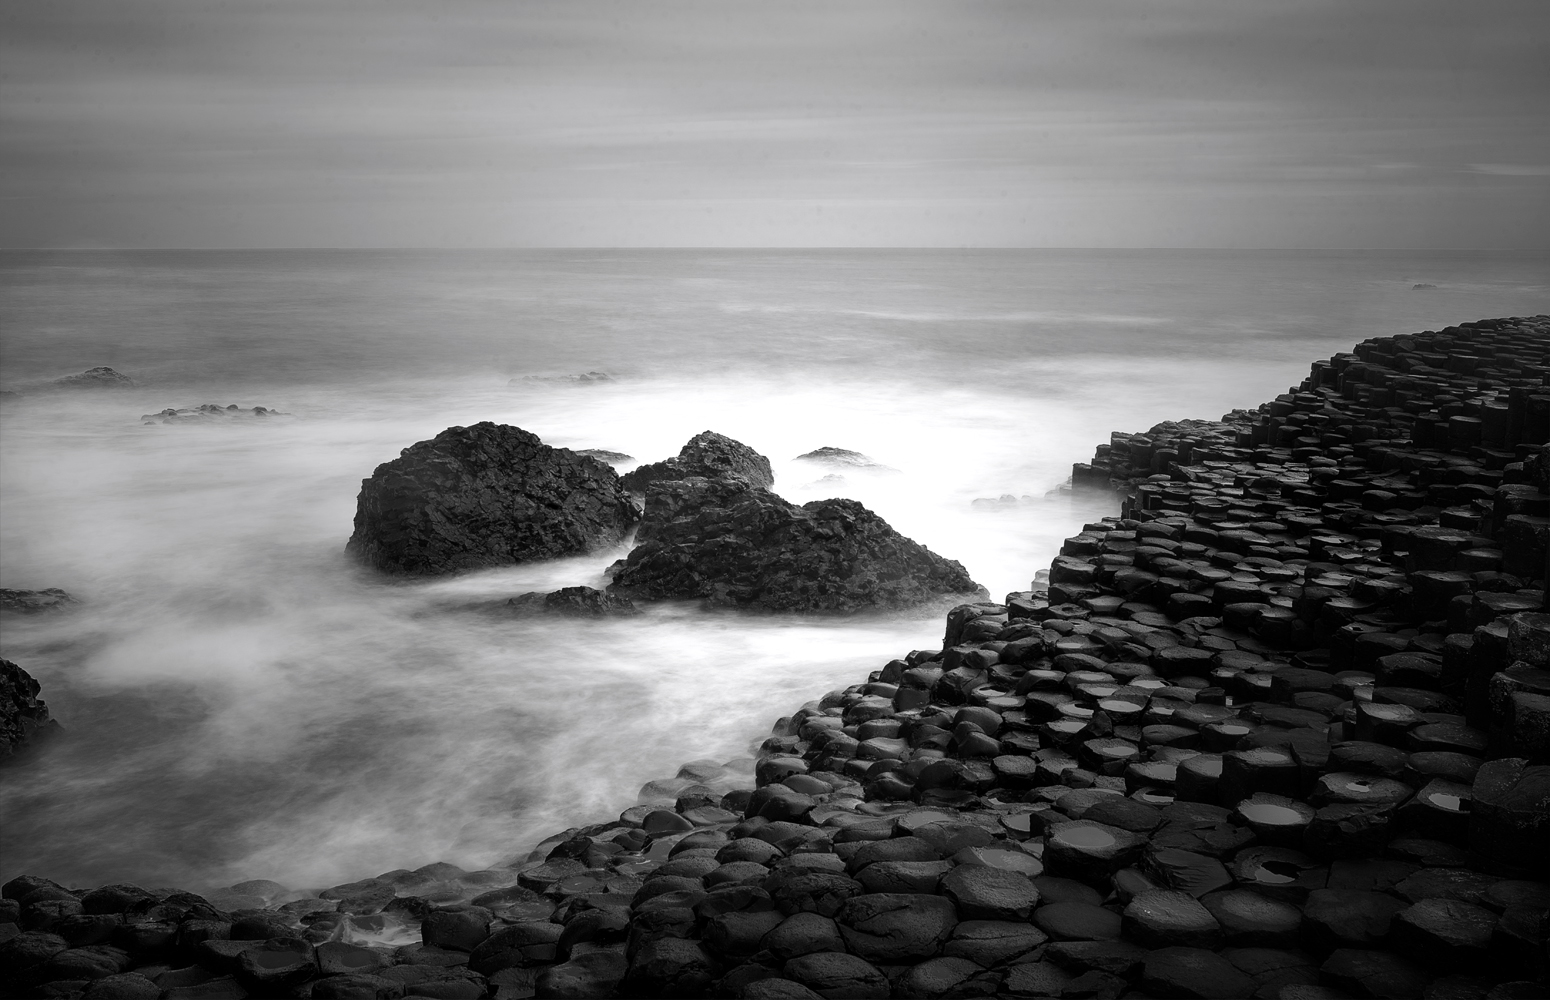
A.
pixel 1118 958
pixel 593 974
pixel 124 986
pixel 984 893
pixel 836 975
pixel 575 602
pixel 776 988
pixel 670 967
pixel 1164 918
pixel 486 495
pixel 708 455
pixel 529 943
pixel 734 544
pixel 1249 919
pixel 1078 921
pixel 896 927
pixel 1035 979
pixel 1443 933
pixel 29 602
pixel 460 928
pixel 804 890
pixel 1090 852
pixel 1510 813
pixel 803 934
pixel 209 413
pixel 993 942
pixel 841 458
pixel 276 966
pixel 1345 918
pixel 101 377
pixel 936 977
pixel 1368 973
pixel 23 715
pixel 604 455
pixel 1193 972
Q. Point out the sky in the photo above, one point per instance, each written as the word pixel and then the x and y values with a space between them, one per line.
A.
pixel 1147 123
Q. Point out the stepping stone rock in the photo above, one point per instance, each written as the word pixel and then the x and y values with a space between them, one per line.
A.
pixel 1509 818
pixel 669 967
pixel 896 927
pixel 1186 871
pixel 1118 958
pixel 993 942
pixel 1446 883
pixel 1443 933
pixel 935 977
pixel 1277 821
pixel 803 934
pixel 1091 852
pixel 1366 973
pixel 1166 918
pixel 836 975
pixel 1347 918
pixel 1251 920
pixel 593 974
pixel 1194 973
pixel 1073 921
pixel 984 893
pixel 1035 979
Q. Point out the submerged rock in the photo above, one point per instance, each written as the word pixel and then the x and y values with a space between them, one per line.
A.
pixel 101 377
pixel 23 715
pixel 576 602
pixel 842 458
pixel 707 454
pixel 486 495
pixel 584 377
pixel 733 543
pixel 209 413
pixel 33 601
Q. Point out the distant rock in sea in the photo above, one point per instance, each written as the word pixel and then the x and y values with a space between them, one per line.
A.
pixel 829 482
pixel 209 413
pixel 100 377
pixel 584 377
pixel 844 458
pixel 734 543
pixel 604 455
pixel 486 495
pixel 30 602
pixel 707 454
pixel 1422 285
pixel 23 715
pixel 1005 501
pixel 575 602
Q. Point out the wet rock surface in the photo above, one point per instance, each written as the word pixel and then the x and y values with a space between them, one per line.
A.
pixel 1269 732
pixel 101 377
pixel 24 717
pixel 734 543
pixel 707 455
pixel 486 495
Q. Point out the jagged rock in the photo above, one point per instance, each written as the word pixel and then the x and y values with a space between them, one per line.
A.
pixel 575 602
pixel 842 458
pixel 23 715
pixel 209 413
pixel 101 377
pixel 709 455
pixel 29 602
pixel 736 544
pixel 486 495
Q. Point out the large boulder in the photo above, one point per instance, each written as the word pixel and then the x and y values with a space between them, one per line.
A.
pixel 734 543
pixel 23 715
pixel 707 454
pixel 486 495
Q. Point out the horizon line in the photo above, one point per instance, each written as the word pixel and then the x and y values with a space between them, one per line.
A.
pixel 1234 249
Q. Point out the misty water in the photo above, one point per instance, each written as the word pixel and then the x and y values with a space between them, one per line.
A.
pixel 240 701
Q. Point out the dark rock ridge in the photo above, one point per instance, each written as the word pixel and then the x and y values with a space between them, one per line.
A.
pixel 209 413
pixel 1276 731
pixel 574 602
pixel 584 377
pixel 100 377
pixel 707 454
pixel 23 715
pixel 842 458
pixel 735 543
pixel 486 495
pixel 30 602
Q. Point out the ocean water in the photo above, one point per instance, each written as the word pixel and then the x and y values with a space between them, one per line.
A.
pixel 243 702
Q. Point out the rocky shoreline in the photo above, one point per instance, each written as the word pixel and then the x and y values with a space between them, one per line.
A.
pixel 1279 729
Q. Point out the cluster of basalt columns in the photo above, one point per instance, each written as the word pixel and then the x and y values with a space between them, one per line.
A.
pixel 1280 729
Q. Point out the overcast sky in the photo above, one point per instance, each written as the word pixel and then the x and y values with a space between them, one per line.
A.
pixel 1194 123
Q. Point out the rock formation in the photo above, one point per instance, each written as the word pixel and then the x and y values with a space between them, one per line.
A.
pixel 1276 730
pixel 574 602
pixel 29 602
pixel 707 454
pixel 735 543
pixel 209 413
pixel 100 377
pixel 23 715
pixel 486 495
pixel 842 458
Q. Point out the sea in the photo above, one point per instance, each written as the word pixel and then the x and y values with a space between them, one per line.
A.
pixel 239 700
